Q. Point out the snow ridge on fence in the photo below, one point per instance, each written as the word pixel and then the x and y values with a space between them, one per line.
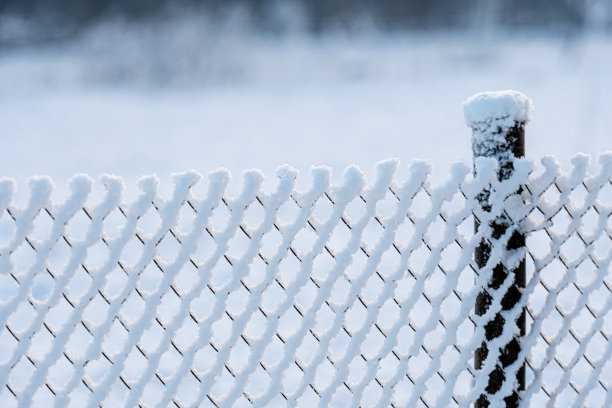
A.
pixel 353 294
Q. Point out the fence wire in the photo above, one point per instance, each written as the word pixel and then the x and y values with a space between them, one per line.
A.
pixel 352 294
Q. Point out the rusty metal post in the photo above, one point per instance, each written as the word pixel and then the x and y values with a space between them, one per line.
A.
pixel 498 123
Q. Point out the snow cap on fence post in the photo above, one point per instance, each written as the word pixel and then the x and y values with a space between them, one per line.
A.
pixel 498 123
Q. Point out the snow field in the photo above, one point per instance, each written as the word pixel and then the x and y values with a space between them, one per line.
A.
pixel 333 100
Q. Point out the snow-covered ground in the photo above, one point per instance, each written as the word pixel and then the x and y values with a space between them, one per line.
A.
pixel 132 102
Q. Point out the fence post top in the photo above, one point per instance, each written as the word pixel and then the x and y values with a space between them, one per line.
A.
pixel 506 108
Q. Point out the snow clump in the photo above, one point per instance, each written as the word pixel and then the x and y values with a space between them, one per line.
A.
pixel 504 107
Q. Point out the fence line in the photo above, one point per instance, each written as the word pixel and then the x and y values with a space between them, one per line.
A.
pixel 352 294
pixel 323 309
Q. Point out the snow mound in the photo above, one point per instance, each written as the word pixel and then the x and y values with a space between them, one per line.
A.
pixel 507 106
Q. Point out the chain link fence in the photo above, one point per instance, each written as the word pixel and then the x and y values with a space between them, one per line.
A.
pixel 351 294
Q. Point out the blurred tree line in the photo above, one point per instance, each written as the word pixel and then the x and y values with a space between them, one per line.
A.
pixel 70 16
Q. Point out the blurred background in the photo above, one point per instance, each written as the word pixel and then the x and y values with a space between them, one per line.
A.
pixel 132 87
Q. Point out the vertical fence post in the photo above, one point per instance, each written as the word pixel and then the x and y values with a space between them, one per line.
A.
pixel 498 123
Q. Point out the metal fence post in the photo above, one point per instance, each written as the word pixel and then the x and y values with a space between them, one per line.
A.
pixel 498 123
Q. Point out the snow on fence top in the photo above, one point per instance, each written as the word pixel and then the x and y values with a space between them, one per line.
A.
pixel 356 294
pixel 506 107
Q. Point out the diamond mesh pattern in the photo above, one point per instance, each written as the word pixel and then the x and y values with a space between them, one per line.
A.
pixel 343 295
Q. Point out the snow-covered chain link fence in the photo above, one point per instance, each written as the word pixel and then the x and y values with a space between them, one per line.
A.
pixel 342 295
pixel 351 294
